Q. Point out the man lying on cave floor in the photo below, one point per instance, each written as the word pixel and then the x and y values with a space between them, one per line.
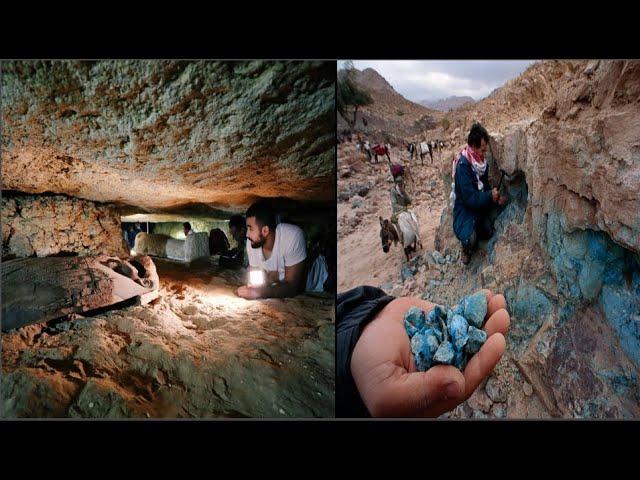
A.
pixel 472 195
pixel 279 250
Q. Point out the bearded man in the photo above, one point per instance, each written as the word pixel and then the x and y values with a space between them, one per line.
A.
pixel 278 250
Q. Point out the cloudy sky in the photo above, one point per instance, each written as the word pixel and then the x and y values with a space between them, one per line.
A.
pixel 437 79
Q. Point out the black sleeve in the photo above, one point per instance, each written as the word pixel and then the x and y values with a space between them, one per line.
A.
pixel 354 309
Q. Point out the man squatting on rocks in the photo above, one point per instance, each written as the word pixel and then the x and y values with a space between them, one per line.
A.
pixel 472 195
pixel 279 250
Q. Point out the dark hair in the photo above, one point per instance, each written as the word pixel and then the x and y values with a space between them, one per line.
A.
pixel 238 222
pixel 187 224
pixel 264 215
pixel 476 134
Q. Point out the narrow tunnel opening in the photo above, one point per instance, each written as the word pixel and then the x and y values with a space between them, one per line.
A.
pixel 317 222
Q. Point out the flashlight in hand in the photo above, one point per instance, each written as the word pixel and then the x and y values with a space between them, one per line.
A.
pixel 256 277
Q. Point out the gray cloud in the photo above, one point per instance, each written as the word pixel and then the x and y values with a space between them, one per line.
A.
pixel 437 79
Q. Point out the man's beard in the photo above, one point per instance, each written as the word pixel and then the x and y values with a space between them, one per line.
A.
pixel 259 243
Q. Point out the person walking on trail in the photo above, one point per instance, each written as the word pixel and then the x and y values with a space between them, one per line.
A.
pixel 367 150
pixel 400 201
pixel 411 148
pixel 402 217
pixel 471 194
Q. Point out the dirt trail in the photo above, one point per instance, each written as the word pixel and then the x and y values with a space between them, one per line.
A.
pixel 361 260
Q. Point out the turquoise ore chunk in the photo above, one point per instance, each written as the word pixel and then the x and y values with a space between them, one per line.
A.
pixel 444 354
pixel 460 360
pixel 440 311
pixel 423 347
pixel 477 338
pixel 458 331
pixel 413 321
pixel 432 319
pixel 475 308
pixel 436 332
pixel 460 326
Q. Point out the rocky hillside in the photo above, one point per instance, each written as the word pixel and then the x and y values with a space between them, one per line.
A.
pixel 390 115
pixel 446 104
pixel 566 252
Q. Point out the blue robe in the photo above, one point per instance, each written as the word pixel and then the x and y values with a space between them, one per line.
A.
pixel 470 202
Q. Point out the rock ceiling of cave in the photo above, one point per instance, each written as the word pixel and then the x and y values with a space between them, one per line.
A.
pixel 170 136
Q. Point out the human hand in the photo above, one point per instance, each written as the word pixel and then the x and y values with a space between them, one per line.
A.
pixel 250 293
pixel 386 375
pixel 495 195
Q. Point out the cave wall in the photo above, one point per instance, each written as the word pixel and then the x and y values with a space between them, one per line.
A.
pixel 49 225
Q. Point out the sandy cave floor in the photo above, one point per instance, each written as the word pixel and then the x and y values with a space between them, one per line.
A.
pixel 197 351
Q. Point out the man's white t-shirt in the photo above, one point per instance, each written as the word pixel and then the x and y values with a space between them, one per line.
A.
pixel 288 249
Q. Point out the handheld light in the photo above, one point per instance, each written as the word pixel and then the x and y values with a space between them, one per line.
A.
pixel 256 278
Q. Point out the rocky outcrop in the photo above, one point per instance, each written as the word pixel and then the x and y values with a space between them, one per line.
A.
pixel 164 135
pixel 446 104
pixel 49 225
pixel 567 246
